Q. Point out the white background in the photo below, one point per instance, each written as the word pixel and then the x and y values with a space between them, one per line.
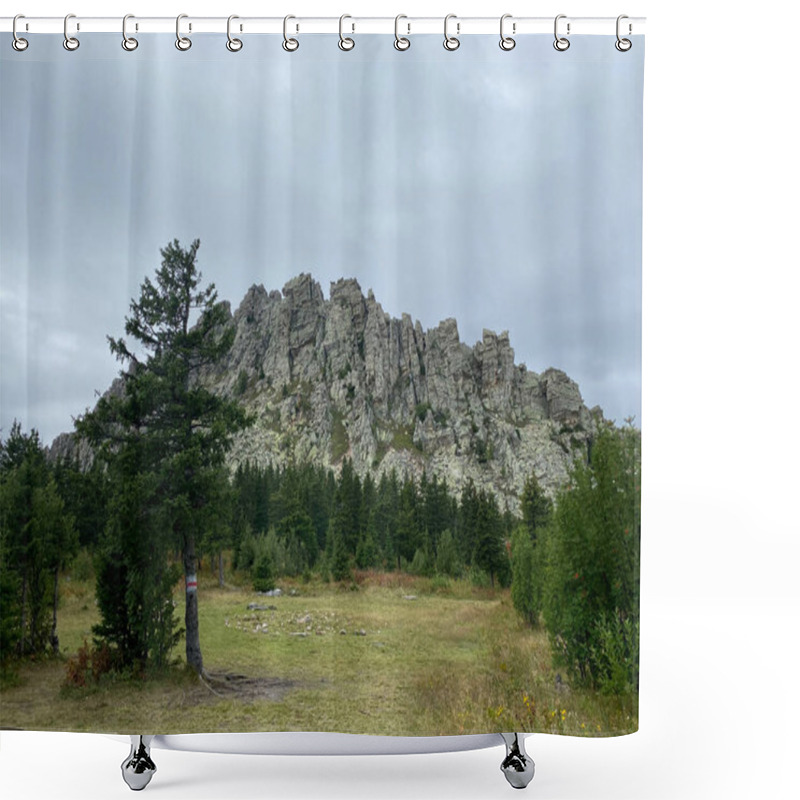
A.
pixel 720 706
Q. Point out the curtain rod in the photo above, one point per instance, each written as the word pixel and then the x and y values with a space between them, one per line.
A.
pixel 307 25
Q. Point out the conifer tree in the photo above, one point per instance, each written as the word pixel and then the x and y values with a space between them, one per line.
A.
pixel 339 556
pixel 347 506
pixel 177 329
pixel 37 539
pixel 536 506
pixel 298 527
pixel 385 517
pixel 56 530
pixel 263 572
pixel 407 538
pixel 366 552
pixel 489 554
pixel 524 594
pixel 468 521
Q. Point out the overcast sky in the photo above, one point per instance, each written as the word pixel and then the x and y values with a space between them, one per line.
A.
pixel 502 189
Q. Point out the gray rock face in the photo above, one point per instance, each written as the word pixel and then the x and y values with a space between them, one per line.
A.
pixel 68 447
pixel 335 378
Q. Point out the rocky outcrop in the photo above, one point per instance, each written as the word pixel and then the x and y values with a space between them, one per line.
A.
pixel 335 378
pixel 69 447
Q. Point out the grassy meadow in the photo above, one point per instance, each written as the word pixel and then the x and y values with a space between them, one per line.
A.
pixel 387 654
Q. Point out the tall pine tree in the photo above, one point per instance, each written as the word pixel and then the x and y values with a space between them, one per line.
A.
pixel 177 329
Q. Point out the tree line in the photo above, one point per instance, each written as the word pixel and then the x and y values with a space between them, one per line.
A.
pixel 308 518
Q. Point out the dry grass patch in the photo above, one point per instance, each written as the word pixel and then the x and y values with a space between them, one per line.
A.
pixel 458 661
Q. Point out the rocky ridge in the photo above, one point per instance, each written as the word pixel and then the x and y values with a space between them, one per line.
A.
pixel 336 378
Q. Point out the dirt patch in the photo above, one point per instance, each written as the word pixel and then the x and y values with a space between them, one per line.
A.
pixel 247 688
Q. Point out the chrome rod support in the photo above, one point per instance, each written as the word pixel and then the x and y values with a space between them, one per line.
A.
pixel 517 766
pixel 138 768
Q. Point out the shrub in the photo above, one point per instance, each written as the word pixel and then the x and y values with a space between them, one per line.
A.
pixel 447 560
pixel 277 550
pixel 479 578
pixel 82 567
pixel 344 371
pixel 263 577
pixel 525 593
pixel 245 554
pixel 88 665
pixel 296 560
pixel 422 563
pixel 616 654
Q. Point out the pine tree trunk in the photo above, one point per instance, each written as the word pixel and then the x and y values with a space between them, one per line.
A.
pixel 194 658
pixel 53 633
pixel 221 571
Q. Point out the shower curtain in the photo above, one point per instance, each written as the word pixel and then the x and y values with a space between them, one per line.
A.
pixel 320 384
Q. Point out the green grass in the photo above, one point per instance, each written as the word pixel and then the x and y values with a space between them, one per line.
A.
pixel 457 659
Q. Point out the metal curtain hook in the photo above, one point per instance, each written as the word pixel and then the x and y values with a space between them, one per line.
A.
pixel 181 42
pixel 128 42
pixel 70 42
pixel 623 45
pixel 506 42
pixel 451 42
pixel 234 45
pixel 289 45
pixel 18 43
pixel 345 42
pixel 400 42
pixel 561 43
